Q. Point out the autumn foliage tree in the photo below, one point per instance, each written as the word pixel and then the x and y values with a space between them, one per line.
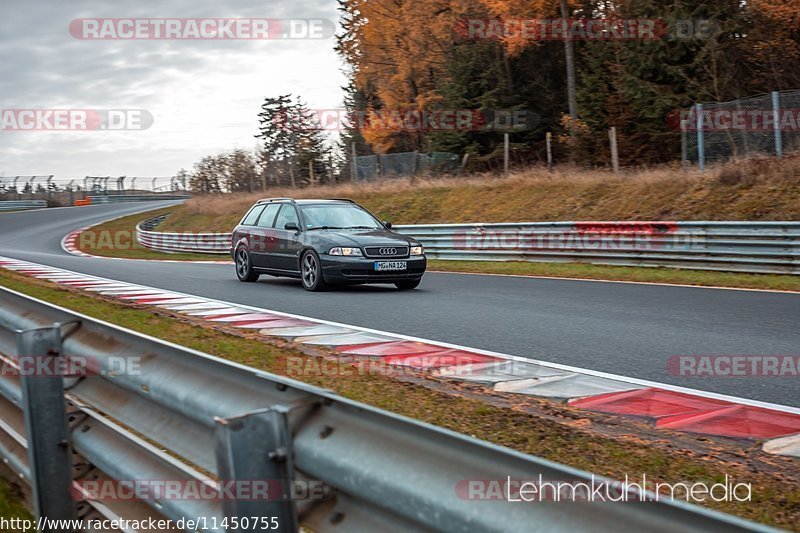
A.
pixel 412 54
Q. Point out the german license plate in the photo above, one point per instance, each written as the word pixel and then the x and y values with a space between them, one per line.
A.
pixel 383 266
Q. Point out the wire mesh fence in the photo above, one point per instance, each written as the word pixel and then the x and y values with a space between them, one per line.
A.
pixel 405 164
pixel 768 124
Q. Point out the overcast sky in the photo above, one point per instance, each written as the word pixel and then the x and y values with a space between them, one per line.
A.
pixel 203 94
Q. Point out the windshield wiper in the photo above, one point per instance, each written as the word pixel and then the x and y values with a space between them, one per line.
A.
pixel 325 227
pixel 361 227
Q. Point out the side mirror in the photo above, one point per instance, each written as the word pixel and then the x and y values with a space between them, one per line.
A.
pixel 387 224
pixel 291 226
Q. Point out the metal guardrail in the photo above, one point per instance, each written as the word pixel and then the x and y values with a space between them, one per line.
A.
pixel 191 417
pixel 18 205
pixel 204 243
pixel 114 198
pixel 759 247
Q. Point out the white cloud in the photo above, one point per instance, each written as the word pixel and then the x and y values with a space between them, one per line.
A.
pixel 204 95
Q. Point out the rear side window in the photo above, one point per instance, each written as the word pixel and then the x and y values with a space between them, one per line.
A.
pixel 268 216
pixel 252 216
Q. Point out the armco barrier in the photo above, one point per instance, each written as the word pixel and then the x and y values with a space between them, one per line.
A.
pixel 766 247
pixel 114 198
pixel 761 247
pixel 204 243
pixel 18 205
pixel 190 418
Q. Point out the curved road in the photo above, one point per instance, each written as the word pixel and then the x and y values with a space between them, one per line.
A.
pixel 621 328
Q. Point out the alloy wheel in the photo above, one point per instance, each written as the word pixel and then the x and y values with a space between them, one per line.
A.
pixel 310 270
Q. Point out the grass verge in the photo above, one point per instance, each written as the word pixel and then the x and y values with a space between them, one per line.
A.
pixel 750 189
pixel 117 238
pixel 12 506
pixel 538 427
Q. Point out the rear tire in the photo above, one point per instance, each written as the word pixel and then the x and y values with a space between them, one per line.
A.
pixel 311 272
pixel 244 266
pixel 408 285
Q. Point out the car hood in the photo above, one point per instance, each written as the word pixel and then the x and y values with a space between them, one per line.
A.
pixel 363 237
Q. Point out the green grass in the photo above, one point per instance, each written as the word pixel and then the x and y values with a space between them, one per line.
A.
pixel 755 189
pixel 117 238
pixel 539 427
pixel 12 506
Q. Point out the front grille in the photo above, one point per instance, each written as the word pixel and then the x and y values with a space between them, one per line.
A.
pixel 386 252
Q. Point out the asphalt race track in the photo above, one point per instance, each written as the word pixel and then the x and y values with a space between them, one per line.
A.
pixel 621 328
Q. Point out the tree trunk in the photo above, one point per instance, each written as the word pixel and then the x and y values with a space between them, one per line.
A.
pixel 569 53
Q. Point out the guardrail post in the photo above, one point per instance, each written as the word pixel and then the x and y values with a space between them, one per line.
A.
pixel 257 447
pixel 776 117
pixel 44 407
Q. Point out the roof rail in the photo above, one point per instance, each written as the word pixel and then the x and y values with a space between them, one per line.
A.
pixel 343 200
pixel 265 200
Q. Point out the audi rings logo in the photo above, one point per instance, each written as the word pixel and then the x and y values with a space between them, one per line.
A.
pixel 388 251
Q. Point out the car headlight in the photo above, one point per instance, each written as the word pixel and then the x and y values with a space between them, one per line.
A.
pixel 345 251
pixel 417 250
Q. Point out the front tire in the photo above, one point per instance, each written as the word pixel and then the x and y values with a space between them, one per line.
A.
pixel 408 285
pixel 244 266
pixel 311 272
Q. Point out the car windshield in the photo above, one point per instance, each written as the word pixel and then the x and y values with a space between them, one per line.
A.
pixel 338 216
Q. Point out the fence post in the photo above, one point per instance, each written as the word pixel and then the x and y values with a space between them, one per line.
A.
pixel 311 172
pixel 612 137
pixel 378 165
pixel 353 168
pixel 44 409
pixel 506 150
pixel 684 144
pixel 549 141
pixel 701 148
pixel 776 117
pixel 257 448
pixel 414 167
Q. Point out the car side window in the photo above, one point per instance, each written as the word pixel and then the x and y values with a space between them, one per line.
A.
pixel 252 216
pixel 268 216
pixel 287 214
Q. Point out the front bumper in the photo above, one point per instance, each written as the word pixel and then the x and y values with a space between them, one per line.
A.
pixel 336 269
